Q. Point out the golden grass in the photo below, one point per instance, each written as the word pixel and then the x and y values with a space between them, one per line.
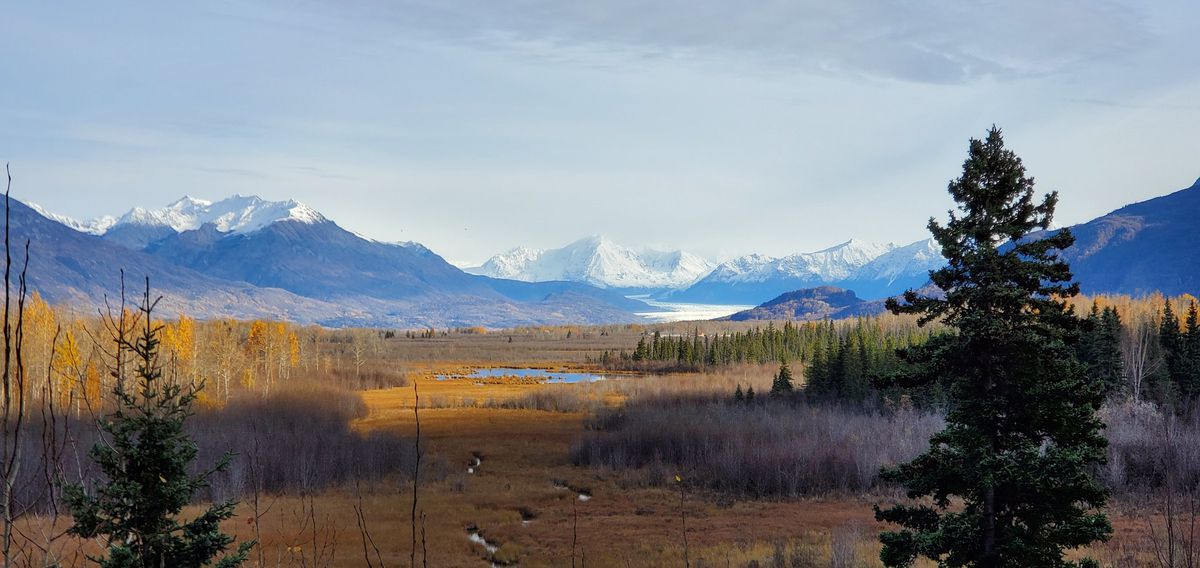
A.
pixel 524 470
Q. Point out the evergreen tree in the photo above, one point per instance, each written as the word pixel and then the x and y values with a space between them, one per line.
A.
pixel 738 395
pixel 135 508
pixel 750 394
pixel 1110 364
pixel 1009 481
pixel 1100 347
pixel 783 381
pixel 1190 346
pixel 642 352
pixel 816 378
pixel 1173 346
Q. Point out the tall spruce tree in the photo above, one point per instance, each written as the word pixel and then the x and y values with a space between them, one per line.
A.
pixel 1173 347
pixel 1100 347
pixel 145 455
pixel 1008 482
pixel 1190 346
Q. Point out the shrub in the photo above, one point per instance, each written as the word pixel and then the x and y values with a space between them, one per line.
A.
pixel 775 448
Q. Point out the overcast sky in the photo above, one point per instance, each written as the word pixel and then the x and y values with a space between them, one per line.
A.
pixel 719 127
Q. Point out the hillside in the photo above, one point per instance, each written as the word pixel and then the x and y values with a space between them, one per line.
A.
pixel 823 302
pixel 1141 248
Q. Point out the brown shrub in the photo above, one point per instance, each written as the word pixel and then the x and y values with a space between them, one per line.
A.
pixel 777 448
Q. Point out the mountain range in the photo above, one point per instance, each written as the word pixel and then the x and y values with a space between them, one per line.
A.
pixel 1138 249
pixel 246 257
pixel 872 270
pixel 598 261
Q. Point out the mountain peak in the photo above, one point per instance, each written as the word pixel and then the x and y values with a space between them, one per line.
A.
pixel 599 261
pixel 869 268
pixel 95 226
pixel 857 245
pixel 234 214
pixel 188 201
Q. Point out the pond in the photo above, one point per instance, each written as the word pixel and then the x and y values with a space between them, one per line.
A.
pixel 547 376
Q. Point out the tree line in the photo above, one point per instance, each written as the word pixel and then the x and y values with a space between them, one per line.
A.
pixel 1145 348
pixel 64 352
pixel 793 341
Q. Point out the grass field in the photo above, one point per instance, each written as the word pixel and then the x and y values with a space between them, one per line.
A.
pixel 524 503
pixel 525 475
pixel 524 499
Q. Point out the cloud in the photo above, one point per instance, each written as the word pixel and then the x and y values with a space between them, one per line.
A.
pixel 922 41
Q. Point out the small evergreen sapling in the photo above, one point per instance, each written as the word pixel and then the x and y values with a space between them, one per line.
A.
pixel 144 456
pixel 783 381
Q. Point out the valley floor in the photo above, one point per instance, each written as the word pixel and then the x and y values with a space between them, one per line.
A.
pixel 525 503
pixel 524 467
pixel 524 499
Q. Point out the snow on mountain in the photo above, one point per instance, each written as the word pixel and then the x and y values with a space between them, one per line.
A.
pixel 95 226
pixel 141 227
pixel 236 214
pixel 517 264
pixel 915 259
pixel 872 270
pixel 600 262
pixel 838 262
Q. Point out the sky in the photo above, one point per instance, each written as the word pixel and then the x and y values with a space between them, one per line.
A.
pixel 723 128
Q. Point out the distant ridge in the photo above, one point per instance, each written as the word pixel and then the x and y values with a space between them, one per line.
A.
pixel 1150 246
pixel 822 302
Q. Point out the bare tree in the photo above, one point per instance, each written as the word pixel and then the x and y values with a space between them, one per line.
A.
pixel 1139 353
pixel 574 529
pixel 364 531
pixel 13 382
pixel 315 541
pixel 683 518
pixel 256 493
pixel 358 348
pixel 1175 542
pixel 416 471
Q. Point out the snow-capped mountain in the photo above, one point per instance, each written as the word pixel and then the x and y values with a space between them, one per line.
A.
pixel 245 257
pixel 238 214
pixel 97 226
pixel 872 270
pixel 834 263
pixel 901 262
pixel 600 262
